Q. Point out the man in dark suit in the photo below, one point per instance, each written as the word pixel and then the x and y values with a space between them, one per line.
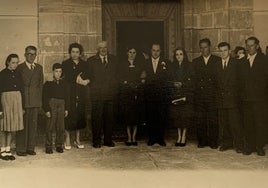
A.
pixel 32 77
pixel 103 84
pixel 253 82
pixel 205 96
pixel 227 99
pixel 156 94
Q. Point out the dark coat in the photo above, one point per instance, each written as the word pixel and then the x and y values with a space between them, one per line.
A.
pixel 253 81
pixel 32 85
pixel 156 85
pixel 227 84
pixel 205 78
pixel 103 78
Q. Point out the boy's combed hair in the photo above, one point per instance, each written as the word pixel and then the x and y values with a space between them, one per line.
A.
pixel 222 44
pixel 56 66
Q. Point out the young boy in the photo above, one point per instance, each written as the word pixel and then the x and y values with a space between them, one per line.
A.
pixel 56 104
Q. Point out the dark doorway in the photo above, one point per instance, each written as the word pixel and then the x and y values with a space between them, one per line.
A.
pixel 138 34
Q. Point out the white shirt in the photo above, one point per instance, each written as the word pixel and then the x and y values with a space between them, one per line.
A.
pixel 226 60
pixel 251 59
pixel 206 59
pixel 102 58
pixel 155 63
pixel 29 65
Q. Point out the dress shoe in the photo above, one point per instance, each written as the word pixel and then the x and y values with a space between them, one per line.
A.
pixel 31 152
pixel 11 157
pixel 79 146
pixel 67 147
pixel 96 145
pixel 213 146
pixel 238 150
pixel 21 153
pixel 128 143
pixel 110 144
pixel 224 148
pixel 260 152
pixel 134 143
pixel 49 150
pixel 59 149
pixel 150 143
pixel 247 152
pixel 201 146
pixel 177 144
pixel 162 143
pixel 4 156
pixel 182 144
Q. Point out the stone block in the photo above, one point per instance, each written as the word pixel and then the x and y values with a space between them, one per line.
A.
pixel 238 37
pixel 259 27
pixel 212 34
pixel 56 8
pixel 224 37
pixel 217 4
pixel 76 2
pixel 75 9
pixel 206 20
pixel 196 20
pixel 188 6
pixel 89 42
pixel 19 7
pixel 51 43
pixel 199 6
pixel 221 20
pixel 187 37
pixel 75 23
pixel 95 20
pixel 242 3
pixel 188 20
pixel 49 60
pixel 51 23
pixel 241 19
pixel 67 40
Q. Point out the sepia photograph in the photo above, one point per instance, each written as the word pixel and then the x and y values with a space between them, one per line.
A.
pixel 133 93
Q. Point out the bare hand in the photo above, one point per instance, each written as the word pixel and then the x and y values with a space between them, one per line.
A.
pixel 65 113
pixel 48 114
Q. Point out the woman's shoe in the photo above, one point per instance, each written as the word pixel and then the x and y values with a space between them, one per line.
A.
pixel 177 144
pixel 79 146
pixel 128 143
pixel 134 143
pixel 67 147
pixel 4 156
pixel 182 144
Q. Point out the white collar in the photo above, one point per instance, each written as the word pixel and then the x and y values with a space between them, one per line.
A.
pixel 225 60
pixel 155 60
pixel 29 64
pixel 252 56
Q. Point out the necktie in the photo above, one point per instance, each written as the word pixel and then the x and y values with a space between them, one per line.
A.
pixel 154 65
pixel 224 65
pixel 32 67
pixel 104 61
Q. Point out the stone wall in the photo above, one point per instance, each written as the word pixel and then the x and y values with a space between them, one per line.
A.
pixel 62 22
pixel 219 20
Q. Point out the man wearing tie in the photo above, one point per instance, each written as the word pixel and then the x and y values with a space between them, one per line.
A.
pixel 227 100
pixel 103 85
pixel 156 95
pixel 205 96
pixel 253 86
pixel 32 77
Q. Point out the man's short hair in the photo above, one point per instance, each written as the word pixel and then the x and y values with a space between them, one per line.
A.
pixel 75 45
pixel 156 43
pixel 56 66
pixel 253 38
pixel 205 40
pixel 222 44
pixel 30 47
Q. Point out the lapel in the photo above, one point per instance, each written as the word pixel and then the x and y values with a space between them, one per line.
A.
pixel 228 70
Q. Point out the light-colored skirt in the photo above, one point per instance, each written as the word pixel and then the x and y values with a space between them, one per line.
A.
pixel 12 111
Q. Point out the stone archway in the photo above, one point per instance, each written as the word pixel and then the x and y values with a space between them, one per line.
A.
pixel 167 11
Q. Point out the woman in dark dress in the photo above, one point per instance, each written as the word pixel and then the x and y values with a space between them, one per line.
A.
pixel 72 69
pixel 131 79
pixel 182 90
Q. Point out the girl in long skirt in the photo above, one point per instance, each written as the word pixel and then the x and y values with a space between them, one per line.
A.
pixel 11 110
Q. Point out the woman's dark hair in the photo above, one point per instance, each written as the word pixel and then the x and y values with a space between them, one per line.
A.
pixel 238 48
pixel 185 57
pixel 75 45
pixel 9 57
pixel 139 57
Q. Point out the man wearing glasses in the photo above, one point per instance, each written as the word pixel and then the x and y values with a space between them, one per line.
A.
pixel 32 77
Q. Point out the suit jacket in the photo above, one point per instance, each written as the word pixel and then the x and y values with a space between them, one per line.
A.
pixel 253 81
pixel 32 85
pixel 103 78
pixel 156 85
pixel 205 78
pixel 227 84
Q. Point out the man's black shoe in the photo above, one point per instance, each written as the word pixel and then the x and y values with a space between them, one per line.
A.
pixel 150 143
pixel 21 153
pixel 162 143
pixel 247 152
pixel 49 150
pixel 59 149
pixel 111 144
pixel 238 150
pixel 213 146
pixel 260 152
pixel 31 152
pixel 224 148
pixel 96 145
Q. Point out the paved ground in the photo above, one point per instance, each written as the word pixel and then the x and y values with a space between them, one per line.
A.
pixel 132 166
